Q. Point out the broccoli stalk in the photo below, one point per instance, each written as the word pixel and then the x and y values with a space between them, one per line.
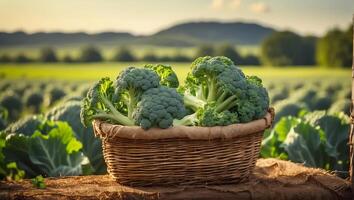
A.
pixel 98 105
pixel 193 101
pixel 187 120
pixel 115 115
pixel 131 101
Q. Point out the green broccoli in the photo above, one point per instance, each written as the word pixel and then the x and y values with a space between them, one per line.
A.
pixel 209 116
pixel 214 80
pixel 136 98
pixel 99 105
pixel 221 94
pixel 130 85
pixel 167 75
pixel 159 107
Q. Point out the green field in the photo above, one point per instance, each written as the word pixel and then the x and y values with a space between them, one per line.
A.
pixel 94 71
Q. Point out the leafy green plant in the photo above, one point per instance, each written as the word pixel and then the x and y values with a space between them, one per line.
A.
pixel 316 139
pixel 38 182
pixel 52 150
pixel 91 146
pixel 10 171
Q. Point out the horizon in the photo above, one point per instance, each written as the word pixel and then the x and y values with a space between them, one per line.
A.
pixel 316 17
pixel 134 34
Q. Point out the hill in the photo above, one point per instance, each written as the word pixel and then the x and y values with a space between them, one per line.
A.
pixel 186 34
pixel 237 32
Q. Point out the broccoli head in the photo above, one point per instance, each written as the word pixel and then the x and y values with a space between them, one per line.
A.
pixel 131 84
pixel 254 102
pixel 99 105
pixel 159 107
pixel 221 94
pixel 167 75
pixel 214 80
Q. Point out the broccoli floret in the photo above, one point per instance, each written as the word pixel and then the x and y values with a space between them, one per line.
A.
pixel 131 84
pixel 214 80
pixel 159 107
pixel 209 116
pixel 221 94
pixel 167 75
pixel 254 102
pixel 99 105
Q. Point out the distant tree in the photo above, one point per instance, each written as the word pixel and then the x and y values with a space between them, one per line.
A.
pixel 150 57
pixel 124 54
pixel 48 55
pixel 164 59
pixel 230 52
pixel 205 50
pixel 287 48
pixel 90 54
pixel 68 59
pixel 308 56
pixel 5 59
pixel 335 49
pixel 22 58
pixel 178 57
pixel 250 60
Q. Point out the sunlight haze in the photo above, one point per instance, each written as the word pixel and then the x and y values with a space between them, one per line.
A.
pixel 146 17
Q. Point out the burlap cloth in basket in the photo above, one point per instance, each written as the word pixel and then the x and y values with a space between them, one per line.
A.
pixel 109 131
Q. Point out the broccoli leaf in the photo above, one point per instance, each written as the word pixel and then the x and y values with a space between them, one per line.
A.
pixel 57 153
pixel 303 144
pixel 91 146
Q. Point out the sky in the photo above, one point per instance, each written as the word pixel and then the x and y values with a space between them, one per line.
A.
pixel 144 17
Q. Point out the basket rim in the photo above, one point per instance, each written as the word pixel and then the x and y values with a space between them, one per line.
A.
pixel 106 130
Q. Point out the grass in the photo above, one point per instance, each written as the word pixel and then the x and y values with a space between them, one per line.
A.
pixel 93 71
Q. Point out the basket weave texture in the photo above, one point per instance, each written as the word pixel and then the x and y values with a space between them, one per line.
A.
pixel 182 155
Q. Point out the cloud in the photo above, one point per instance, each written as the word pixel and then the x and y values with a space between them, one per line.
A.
pixel 217 4
pixel 235 3
pixel 225 4
pixel 259 7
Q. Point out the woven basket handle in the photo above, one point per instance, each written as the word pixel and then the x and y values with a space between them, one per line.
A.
pixel 272 114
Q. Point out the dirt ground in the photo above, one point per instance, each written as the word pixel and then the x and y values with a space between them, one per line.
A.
pixel 271 179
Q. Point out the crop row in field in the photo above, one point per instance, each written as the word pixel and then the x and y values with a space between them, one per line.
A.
pixel 93 71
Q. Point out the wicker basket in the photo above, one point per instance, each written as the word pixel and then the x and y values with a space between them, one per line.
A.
pixel 182 155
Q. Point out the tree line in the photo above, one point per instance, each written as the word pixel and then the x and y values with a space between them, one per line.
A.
pixel 124 54
pixel 286 48
pixel 282 48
